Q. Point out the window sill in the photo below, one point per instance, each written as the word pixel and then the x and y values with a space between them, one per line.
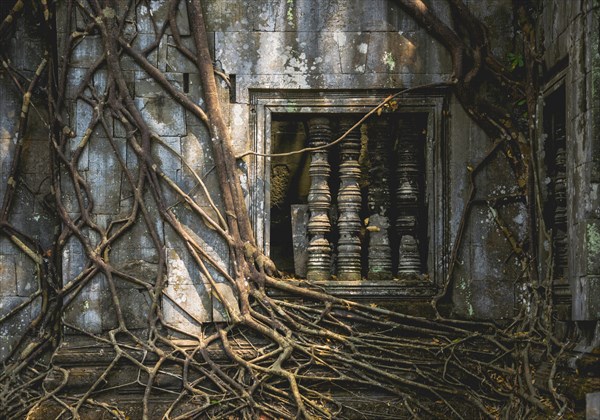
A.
pixel 370 290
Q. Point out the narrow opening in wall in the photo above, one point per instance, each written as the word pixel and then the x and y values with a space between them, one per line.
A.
pixel 290 184
pixel 363 198
pixel 555 149
pixel 232 88
pixel 555 196
pixel 186 82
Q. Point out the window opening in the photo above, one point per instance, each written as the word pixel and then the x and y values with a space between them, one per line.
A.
pixel 186 82
pixel 555 210
pixel 355 210
pixel 555 204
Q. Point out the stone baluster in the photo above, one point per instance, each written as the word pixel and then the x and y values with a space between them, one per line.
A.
pixel 407 200
pixel 560 214
pixel 319 202
pixel 380 259
pixel 349 203
pixel 410 261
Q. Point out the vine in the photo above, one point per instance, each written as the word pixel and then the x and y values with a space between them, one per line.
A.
pixel 275 357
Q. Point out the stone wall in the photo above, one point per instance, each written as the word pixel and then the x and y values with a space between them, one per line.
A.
pixel 340 45
pixel 572 57
pixel 181 150
pixel 32 212
pixel 281 45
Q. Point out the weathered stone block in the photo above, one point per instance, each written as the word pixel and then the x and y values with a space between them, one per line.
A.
pixel 210 242
pixel 167 154
pixel 225 303
pixel 82 20
pixel 239 120
pixel 99 81
pixel 36 307
pixel 353 48
pixel 175 60
pixel 187 302
pixel 83 115
pixel 484 299
pixel 496 179
pixel 516 219
pixel 61 18
pixel 262 16
pixel 193 122
pixel 133 250
pixel 75 78
pixel 227 15
pixel 73 259
pixel 592 406
pixel 22 206
pixel 19 321
pixel 497 15
pixel 25 59
pixel 301 15
pixel 7 247
pixel 337 81
pixel 36 157
pixel 26 275
pixel 591 247
pixel 198 158
pixel 494 259
pixel 145 20
pixel 119 129
pixel 304 54
pixel 38 225
pixel 8 276
pixel 169 163
pixel 68 195
pixel 128 187
pixel 182 20
pixel 85 310
pixel 396 53
pixel 375 16
pixel 145 86
pixel 176 79
pixel 586 305
pixel 148 46
pixel 139 234
pixel 164 117
pixel 187 306
pixel 6 346
pixel 9 109
pixel 300 241
pixel 135 308
pixel 156 13
pixel 197 151
pixel 138 268
pixel 593 66
pixel 486 269
pixel 86 51
pixel 104 176
pixel 194 89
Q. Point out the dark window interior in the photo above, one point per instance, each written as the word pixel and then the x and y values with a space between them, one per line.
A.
pixel 290 182
pixel 555 211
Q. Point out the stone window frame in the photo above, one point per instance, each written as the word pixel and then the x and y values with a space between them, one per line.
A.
pixel 265 103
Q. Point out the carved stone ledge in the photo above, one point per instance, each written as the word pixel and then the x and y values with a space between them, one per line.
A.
pixel 407 288
pixel 86 360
